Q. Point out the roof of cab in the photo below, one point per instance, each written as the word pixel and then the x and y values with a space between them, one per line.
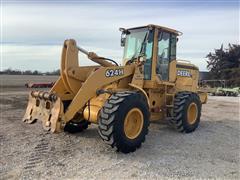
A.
pixel 178 33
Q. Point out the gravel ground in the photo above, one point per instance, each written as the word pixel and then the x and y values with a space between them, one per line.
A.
pixel 29 152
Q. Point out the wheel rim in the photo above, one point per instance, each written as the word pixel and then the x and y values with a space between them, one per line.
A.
pixel 192 113
pixel 133 123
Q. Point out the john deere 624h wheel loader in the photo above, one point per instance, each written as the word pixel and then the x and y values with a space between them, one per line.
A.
pixel 151 85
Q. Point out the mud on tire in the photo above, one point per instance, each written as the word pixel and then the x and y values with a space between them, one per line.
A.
pixel 112 117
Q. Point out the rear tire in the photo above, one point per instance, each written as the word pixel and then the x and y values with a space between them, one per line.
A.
pixel 186 112
pixel 118 127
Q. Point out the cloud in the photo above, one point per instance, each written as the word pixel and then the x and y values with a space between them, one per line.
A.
pixel 96 27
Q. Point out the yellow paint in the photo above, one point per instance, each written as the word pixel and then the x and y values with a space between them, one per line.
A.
pixel 88 90
pixel 133 123
pixel 95 105
pixel 192 113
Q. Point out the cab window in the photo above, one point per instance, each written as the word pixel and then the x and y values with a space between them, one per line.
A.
pixel 148 53
pixel 163 55
pixel 173 44
pixel 166 53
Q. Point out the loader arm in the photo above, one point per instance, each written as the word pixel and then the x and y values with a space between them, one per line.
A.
pixel 76 85
pixel 78 82
pixel 69 61
pixel 95 82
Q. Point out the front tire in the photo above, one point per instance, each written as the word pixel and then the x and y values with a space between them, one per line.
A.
pixel 124 121
pixel 76 127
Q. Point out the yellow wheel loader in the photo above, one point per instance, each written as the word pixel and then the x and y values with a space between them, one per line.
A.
pixel 151 85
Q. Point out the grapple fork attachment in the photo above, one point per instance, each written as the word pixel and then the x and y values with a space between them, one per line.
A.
pixel 46 107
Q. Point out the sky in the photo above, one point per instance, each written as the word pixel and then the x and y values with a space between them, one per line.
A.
pixel 32 32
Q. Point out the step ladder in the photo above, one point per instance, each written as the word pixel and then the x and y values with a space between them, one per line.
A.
pixel 169 102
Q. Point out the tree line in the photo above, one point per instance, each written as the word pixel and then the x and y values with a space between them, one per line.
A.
pixel 10 71
pixel 224 64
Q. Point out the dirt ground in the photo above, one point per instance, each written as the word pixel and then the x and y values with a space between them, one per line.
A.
pixel 29 152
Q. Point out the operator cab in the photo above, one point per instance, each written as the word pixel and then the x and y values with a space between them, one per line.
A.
pixel 139 45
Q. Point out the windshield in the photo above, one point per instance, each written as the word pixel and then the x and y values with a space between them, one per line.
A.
pixel 134 43
pixel 140 41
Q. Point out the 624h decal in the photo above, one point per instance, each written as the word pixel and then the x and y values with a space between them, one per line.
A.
pixel 114 72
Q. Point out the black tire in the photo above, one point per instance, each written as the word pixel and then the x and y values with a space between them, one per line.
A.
pixel 112 116
pixel 181 103
pixel 73 127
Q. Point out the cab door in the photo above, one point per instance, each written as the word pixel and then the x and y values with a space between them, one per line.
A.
pixel 166 56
